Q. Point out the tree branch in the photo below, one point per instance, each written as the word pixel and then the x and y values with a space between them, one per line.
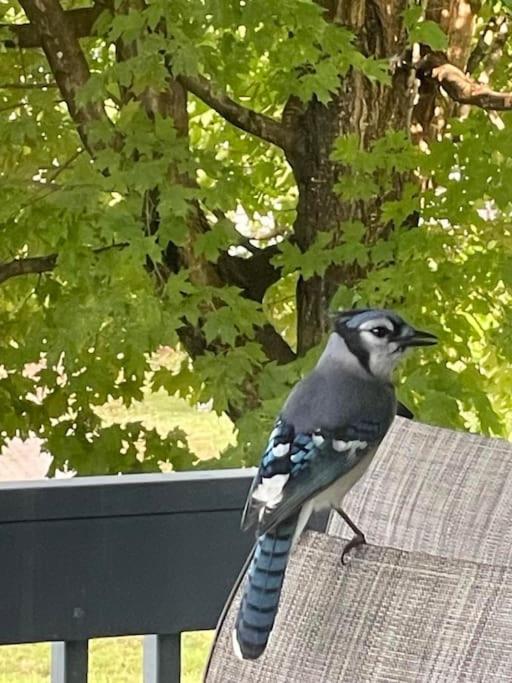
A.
pixel 252 275
pixel 28 35
pixel 80 23
pixel 26 266
pixel 246 119
pixel 66 60
pixel 27 86
pixel 459 86
pixel 41 264
pixel 274 346
pixel 491 40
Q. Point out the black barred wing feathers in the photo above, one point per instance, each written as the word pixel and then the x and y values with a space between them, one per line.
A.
pixel 297 466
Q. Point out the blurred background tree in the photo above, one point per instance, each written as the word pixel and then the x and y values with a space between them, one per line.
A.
pixel 188 187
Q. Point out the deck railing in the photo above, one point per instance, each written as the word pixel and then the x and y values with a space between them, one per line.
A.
pixel 110 556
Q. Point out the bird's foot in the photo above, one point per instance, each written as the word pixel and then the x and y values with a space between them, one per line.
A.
pixel 356 541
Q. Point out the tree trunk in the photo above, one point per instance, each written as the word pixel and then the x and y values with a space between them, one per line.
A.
pixel 365 108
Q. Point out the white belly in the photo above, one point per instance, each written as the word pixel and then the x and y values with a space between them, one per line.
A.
pixel 333 495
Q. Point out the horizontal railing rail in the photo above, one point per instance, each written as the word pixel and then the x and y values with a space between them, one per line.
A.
pixel 109 556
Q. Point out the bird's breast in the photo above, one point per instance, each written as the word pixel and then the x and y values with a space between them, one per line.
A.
pixel 334 494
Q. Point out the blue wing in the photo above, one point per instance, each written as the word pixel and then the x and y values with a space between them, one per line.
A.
pixel 296 466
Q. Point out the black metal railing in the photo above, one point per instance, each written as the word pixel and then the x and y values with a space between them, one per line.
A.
pixel 109 556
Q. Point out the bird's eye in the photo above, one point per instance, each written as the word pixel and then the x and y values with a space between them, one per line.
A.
pixel 380 331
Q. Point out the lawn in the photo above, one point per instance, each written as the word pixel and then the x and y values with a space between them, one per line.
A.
pixel 111 660
pixel 207 433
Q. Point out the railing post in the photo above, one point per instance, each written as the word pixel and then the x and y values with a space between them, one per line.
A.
pixel 162 658
pixel 70 661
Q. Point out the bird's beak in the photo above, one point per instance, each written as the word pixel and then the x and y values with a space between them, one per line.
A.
pixel 418 338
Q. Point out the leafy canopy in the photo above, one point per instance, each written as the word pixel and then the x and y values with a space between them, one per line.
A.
pixel 95 319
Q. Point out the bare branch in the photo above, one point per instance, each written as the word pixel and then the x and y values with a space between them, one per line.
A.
pixel 246 119
pixel 41 264
pixel 459 86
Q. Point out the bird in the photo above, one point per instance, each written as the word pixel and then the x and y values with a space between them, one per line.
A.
pixel 323 441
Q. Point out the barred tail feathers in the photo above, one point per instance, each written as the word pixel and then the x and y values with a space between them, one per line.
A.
pixel 262 590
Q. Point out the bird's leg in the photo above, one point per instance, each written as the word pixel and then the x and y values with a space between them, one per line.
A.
pixel 358 538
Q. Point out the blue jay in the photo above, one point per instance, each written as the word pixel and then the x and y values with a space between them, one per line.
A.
pixel 323 441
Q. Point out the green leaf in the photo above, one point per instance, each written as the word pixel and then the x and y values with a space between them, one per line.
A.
pixel 219 238
pixel 429 33
pixel 412 16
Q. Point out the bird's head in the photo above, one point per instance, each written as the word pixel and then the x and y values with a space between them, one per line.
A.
pixel 378 338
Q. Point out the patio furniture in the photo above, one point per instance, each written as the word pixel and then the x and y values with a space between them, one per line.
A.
pixel 430 597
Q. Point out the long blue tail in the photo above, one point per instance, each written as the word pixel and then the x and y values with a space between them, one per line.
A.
pixel 262 590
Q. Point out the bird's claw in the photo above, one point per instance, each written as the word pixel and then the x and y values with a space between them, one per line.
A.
pixel 356 541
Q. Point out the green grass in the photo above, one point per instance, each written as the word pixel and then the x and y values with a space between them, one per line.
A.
pixel 207 433
pixel 111 660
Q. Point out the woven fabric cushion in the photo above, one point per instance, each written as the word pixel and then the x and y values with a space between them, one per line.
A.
pixel 436 491
pixel 387 616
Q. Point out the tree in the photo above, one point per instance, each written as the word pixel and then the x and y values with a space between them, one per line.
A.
pixel 217 175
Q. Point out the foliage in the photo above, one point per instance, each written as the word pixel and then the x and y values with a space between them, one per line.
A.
pixel 115 296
